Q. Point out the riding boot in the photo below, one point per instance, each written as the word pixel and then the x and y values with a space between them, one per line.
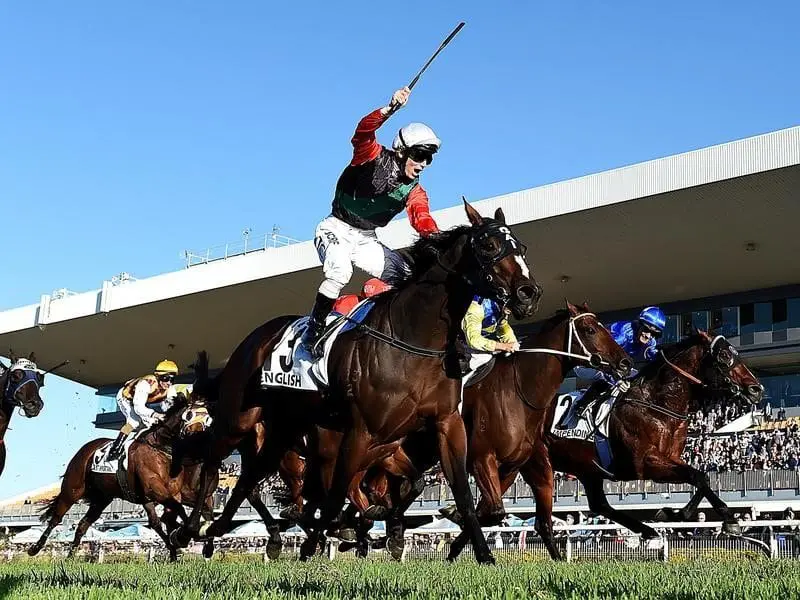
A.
pixel 116 447
pixel 316 324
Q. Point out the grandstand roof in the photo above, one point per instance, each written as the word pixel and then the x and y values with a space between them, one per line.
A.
pixel 664 230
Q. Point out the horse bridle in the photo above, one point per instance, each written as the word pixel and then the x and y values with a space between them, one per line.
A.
pixel 194 415
pixel 510 245
pixel 734 388
pixel 31 375
pixel 595 360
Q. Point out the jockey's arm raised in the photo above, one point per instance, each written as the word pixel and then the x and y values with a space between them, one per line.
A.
pixel 367 148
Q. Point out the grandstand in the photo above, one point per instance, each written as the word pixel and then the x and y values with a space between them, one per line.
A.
pixel 735 205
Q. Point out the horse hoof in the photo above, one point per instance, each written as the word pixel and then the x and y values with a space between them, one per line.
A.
pixel 179 538
pixel 34 550
pixel 732 528
pixel 380 544
pixel 486 560
pixel 451 514
pixel 376 513
pixel 307 549
pixel 395 548
pixel 347 534
pixel 362 551
pixel 173 556
pixel 208 549
pixel 274 550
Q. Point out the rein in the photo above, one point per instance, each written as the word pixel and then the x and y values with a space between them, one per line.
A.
pixel 573 334
pixel 662 409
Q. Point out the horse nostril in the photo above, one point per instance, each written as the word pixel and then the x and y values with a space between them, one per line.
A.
pixel 525 293
pixel 755 391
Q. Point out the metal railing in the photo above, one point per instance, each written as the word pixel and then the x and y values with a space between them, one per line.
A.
pixel 565 491
pixel 250 243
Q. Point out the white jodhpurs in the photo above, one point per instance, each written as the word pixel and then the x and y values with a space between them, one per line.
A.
pixel 340 246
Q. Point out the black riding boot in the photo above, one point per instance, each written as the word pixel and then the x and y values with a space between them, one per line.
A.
pixel 116 447
pixel 316 324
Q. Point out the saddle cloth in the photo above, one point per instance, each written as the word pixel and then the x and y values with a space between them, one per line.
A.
pixel 594 417
pixel 289 367
pixel 100 462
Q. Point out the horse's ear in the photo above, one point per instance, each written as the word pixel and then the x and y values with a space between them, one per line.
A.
pixel 472 214
pixel 32 357
pixel 703 335
pixel 571 308
pixel 499 216
pixel 11 356
pixel 585 305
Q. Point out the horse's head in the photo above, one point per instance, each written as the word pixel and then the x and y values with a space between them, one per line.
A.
pixel 589 337
pixel 21 384
pixel 195 419
pixel 723 371
pixel 501 263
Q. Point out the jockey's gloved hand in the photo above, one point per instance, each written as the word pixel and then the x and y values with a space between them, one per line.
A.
pixel 623 385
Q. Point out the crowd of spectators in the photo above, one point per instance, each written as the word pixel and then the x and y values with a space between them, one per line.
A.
pixel 745 451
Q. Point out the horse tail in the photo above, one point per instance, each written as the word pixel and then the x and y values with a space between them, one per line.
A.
pixel 49 510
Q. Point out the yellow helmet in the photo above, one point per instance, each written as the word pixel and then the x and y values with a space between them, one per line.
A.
pixel 166 366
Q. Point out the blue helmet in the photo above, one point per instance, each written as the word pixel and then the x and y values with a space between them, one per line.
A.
pixel 654 317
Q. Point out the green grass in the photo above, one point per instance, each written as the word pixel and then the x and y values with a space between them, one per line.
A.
pixel 352 579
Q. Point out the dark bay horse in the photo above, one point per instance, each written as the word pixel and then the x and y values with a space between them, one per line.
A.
pixel 484 258
pixel 648 426
pixel 387 383
pixel 148 478
pixel 19 386
pixel 505 413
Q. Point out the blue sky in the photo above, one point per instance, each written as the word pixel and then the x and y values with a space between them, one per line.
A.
pixel 132 131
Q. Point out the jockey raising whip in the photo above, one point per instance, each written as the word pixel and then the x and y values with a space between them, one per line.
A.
pixel 376 185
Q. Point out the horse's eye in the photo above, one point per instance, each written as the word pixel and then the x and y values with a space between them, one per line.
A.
pixel 591 330
pixel 17 375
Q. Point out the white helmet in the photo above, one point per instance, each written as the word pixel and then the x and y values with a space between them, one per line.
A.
pixel 416 134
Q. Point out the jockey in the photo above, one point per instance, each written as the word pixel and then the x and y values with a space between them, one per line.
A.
pixel 344 304
pixel 140 400
pixel 638 338
pixel 487 331
pixel 376 185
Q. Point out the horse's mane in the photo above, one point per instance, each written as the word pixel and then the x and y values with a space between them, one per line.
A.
pixel 649 369
pixel 424 253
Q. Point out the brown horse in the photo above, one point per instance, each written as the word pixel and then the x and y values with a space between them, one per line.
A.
pixel 148 478
pixel 647 430
pixel 648 426
pixel 19 386
pixel 505 412
pixel 387 384
pixel 484 253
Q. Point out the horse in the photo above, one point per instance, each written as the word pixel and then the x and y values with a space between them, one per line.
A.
pixel 20 384
pixel 648 426
pixel 504 413
pixel 148 480
pixel 390 378
pixel 474 258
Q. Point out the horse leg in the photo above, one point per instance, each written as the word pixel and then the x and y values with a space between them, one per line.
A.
pixel 348 462
pixel 275 543
pixel 253 471
pixel 665 470
pixel 56 510
pixel 155 524
pixel 96 509
pixel 598 503
pixel 538 473
pixel 453 452
pixel 191 527
pixel 487 509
